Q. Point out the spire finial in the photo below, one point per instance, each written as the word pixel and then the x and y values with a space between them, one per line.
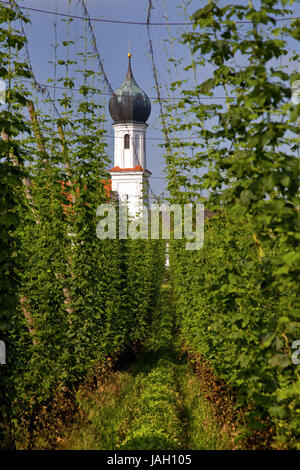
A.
pixel 129 53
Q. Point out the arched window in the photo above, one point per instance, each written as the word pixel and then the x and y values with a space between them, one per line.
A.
pixel 126 141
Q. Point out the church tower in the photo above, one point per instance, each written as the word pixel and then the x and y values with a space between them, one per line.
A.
pixel 130 108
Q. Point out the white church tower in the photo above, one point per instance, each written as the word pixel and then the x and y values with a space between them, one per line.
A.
pixel 130 108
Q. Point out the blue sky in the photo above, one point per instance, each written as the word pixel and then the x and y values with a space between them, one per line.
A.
pixel 112 41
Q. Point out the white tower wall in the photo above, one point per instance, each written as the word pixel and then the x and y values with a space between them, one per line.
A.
pixel 129 176
pixel 136 153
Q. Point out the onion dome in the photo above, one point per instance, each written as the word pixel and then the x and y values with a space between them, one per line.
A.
pixel 129 102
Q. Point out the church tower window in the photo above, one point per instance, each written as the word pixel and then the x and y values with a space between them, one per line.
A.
pixel 126 141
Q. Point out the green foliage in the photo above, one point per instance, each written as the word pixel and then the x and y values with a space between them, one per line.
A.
pixel 69 301
pixel 238 297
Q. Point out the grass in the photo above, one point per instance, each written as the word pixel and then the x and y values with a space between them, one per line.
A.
pixel 155 404
pixel 202 431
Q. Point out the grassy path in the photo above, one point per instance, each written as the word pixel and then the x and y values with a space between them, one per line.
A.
pixel 154 404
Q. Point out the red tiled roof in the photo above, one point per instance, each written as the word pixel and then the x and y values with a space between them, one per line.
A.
pixel 136 168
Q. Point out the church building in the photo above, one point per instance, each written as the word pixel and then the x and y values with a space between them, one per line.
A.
pixel 130 108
